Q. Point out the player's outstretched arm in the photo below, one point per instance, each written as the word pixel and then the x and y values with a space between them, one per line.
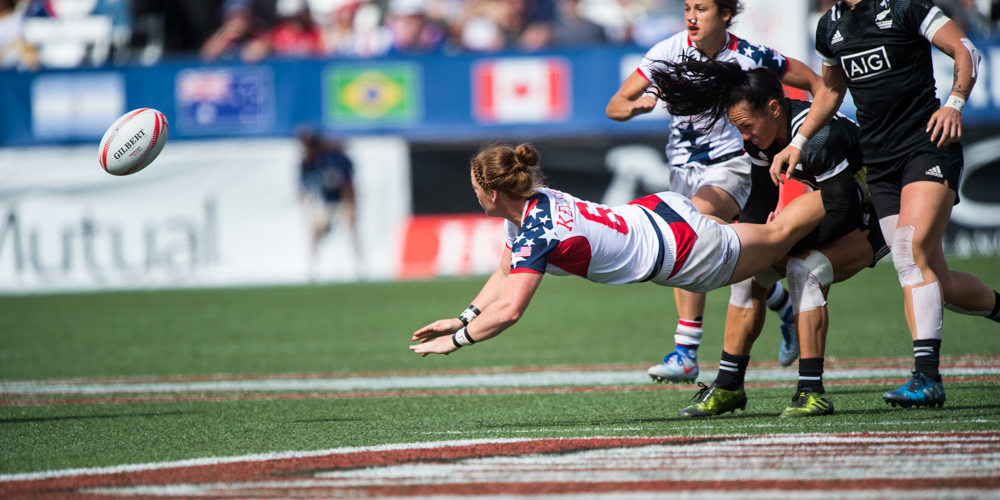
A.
pixel 487 296
pixel 631 99
pixel 802 77
pixel 502 314
pixel 826 102
pixel 945 124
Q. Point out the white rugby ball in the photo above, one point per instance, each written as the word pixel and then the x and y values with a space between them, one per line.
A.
pixel 133 141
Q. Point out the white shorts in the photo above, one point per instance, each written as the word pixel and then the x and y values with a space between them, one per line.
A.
pixel 711 261
pixel 731 176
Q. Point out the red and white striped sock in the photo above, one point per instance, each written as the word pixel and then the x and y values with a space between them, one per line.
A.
pixel 688 333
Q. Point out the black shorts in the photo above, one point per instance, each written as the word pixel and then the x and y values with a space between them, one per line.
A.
pixel 926 163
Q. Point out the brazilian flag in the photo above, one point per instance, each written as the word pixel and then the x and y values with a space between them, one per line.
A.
pixel 372 94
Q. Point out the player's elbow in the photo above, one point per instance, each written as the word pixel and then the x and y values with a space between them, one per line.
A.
pixel 614 110
pixel 510 313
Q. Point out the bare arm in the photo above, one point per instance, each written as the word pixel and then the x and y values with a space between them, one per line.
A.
pixel 631 99
pixel 945 125
pixel 517 292
pixel 826 102
pixel 800 76
pixel 487 296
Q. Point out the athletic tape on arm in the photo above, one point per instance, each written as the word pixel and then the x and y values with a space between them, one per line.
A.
pixel 806 280
pixel 902 257
pixel 932 23
pixel 975 56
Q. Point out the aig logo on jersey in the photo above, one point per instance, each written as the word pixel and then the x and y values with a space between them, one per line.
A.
pixel 865 64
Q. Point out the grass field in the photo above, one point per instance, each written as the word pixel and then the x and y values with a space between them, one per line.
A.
pixel 110 379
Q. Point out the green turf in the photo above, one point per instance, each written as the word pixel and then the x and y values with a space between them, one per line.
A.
pixel 343 328
pixel 55 437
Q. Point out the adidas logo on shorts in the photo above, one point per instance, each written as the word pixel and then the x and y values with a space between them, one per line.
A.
pixel 836 38
pixel 935 172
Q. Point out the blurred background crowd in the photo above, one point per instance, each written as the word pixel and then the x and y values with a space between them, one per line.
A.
pixel 73 33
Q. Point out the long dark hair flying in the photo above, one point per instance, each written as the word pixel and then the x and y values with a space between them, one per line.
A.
pixel 708 88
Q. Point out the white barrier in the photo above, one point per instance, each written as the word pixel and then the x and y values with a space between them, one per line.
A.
pixel 211 213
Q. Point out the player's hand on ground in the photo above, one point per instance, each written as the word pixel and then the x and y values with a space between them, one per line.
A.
pixel 789 156
pixel 437 329
pixel 440 345
pixel 644 104
pixel 945 126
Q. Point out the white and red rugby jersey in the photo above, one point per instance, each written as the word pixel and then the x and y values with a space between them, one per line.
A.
pixel 688 143
pixel 562 235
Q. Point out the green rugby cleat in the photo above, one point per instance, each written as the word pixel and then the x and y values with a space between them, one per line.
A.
pixel 809 404
pixel 713 401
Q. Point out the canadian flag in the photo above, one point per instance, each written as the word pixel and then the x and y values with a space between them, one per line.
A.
pixel 521 90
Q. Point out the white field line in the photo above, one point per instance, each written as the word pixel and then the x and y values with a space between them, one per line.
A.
pixel 952 494
pixel 736 439
pixel 540 379
pixel 257 457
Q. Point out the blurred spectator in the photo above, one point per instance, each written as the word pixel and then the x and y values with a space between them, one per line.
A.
pixel 355 31
pixel 968 18
pixel 479 30
pixel 326 191
pixel 14 50
pixel 527 24
pixel 184 25
pixel 232 39
pixel 295 34
pixel 573 30
pixel 412 31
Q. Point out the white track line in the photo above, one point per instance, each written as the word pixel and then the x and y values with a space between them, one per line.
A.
pixel 540 379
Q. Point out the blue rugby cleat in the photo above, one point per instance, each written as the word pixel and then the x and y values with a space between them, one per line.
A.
pixel 788 351
pixel 919 391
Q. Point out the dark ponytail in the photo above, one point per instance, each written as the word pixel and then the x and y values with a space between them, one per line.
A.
pixel 708 88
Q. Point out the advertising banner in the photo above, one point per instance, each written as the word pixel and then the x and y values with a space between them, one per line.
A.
pixel 372 94
pixel 209 213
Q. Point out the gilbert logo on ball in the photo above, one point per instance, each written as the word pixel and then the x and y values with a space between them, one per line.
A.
pixel 133 141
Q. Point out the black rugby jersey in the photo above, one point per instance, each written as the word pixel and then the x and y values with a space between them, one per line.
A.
pixel 880 47
pixel 834 149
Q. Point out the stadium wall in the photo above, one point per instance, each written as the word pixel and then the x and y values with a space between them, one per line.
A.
pixel 219 208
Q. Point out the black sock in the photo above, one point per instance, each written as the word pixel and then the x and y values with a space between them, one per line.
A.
pixel 926 357
pixel 995 315
pixel 732 369
pixel 811 375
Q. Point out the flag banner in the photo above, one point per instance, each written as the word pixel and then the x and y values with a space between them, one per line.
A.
pixel 521 90
pixel 365 95
pixel 236 100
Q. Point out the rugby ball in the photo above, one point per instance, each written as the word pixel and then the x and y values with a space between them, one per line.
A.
pixel 133 141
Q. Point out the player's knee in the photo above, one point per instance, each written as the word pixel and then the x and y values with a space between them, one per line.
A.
pixel 806 280
pixel 902 257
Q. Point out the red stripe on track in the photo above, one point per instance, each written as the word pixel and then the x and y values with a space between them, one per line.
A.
pixel 292 469
pixel 441 392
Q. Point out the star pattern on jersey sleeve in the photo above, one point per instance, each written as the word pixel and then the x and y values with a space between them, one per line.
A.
pixel 543 219
pixel 749 52
pixel 780 59
pixel 534 212
pixel 548 234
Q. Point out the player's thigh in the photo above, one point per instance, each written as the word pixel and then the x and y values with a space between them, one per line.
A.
pixel 713 200
pixel 927 207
